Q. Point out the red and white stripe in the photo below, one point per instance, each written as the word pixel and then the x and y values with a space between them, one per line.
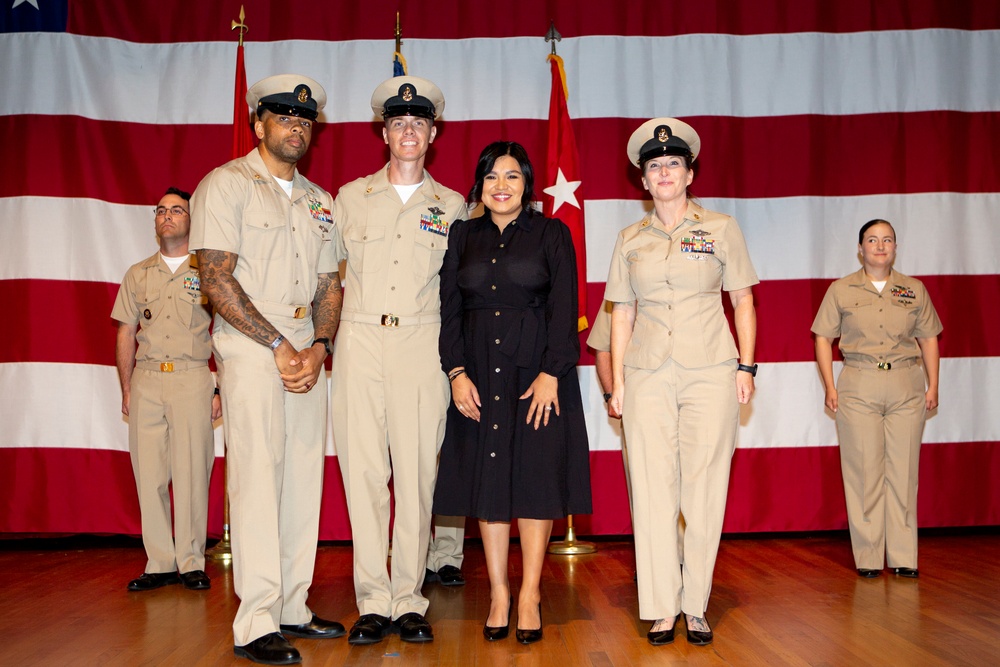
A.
pixel 811 124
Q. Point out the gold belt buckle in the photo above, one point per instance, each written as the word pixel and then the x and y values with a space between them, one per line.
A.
pixel 390 320
pixel 167 367
pixel 884 366
pixel 300 312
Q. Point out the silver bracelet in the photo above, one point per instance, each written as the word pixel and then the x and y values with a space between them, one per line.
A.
pixel 276 342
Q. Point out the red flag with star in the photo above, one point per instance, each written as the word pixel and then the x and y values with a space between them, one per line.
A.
pixel 563 198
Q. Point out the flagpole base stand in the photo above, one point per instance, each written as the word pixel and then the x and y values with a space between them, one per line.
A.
pixel 569 545
pixel 223 549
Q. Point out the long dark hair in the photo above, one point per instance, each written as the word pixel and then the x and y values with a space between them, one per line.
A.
pixel 488 158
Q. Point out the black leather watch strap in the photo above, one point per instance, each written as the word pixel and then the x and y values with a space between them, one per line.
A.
pixel 752 370
pixel 326 344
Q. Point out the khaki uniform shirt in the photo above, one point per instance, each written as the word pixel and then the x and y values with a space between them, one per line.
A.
pixel 599 338
pixel 877 327
pixel 169 309
pixel 394 251
pixel 676 278
pixel 283 244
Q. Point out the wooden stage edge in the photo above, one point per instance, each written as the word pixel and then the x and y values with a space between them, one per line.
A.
pixel 778 599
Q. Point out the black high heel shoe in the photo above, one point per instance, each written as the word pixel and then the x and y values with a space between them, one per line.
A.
pixel 496 634
pixel 530 636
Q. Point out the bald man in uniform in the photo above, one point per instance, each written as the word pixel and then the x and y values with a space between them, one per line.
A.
pixel 263 235
pixel 169 397
pixel 389 395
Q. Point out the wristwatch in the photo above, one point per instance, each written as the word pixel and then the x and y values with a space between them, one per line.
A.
pixel 276 342
pixel 607 397
pixel 326 344
pixel 752 370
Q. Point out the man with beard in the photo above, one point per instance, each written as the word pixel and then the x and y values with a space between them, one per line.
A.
pixel 263 236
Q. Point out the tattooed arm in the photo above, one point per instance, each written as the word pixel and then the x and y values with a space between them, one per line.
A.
pixel 327 304
pixel 226 295
pixel 308 363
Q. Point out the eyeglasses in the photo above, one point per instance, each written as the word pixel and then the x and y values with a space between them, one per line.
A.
pixel 161 211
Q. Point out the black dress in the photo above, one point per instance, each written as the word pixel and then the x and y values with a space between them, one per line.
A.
pixel 509 311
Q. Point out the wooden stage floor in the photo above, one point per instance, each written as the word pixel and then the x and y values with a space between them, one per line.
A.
pixel 776 601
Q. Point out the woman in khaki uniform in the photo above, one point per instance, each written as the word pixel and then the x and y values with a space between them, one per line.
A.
pixel 887 325
pixel 678 378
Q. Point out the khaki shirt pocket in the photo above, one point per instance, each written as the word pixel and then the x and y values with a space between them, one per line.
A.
pixel 364 248
pixel 264 235
pixel 428 255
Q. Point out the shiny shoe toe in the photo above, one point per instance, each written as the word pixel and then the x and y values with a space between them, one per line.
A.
pixel 370 629
pixel 413 627
pixel 272 649
pixel 494 634
pixel 449 575
pixel 699 637
pixel 316 628
pixel 196 580
pixel 148 581
pixel 868 574
pixel 661 637
pixel 530 636
pixel 908 572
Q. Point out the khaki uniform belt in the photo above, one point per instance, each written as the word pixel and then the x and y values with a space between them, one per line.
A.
pixel 880 366
pixel 390 320
pixel 169 366
pixel 291 311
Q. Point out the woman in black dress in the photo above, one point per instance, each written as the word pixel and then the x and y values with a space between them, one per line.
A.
pixel 516 442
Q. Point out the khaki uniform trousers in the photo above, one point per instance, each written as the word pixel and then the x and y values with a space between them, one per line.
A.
pixel 680 425
pixel 275 452
pixel 447 543
pixel 170 441
pixel 389 401
pixel 880 422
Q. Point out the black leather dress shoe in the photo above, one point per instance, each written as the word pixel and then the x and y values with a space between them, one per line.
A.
pixel 531 636
pixel 316 628
pixel 908 572
pixel 868 574
pixel 497 633
pixel 147 581
pixel 369 629
pixel 662 637
pixel 272 649
pixel 450 575
pixel 413 627
pixel 196 580
pixel 699 637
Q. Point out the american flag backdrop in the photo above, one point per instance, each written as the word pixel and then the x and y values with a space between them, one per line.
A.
pixel 814 116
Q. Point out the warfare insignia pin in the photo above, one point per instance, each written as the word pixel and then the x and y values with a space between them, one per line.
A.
pixel 435 210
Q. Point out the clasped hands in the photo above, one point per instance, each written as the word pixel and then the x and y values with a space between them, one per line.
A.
pixel 300 370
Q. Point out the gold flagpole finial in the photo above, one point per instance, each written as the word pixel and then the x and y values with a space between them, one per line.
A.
pixel 399 35
pixel 241 25
pixel 553 36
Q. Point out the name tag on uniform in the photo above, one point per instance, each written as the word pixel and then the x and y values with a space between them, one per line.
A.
pixel 433 222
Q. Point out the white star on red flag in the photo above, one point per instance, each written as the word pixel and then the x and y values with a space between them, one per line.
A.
pixel 562 192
